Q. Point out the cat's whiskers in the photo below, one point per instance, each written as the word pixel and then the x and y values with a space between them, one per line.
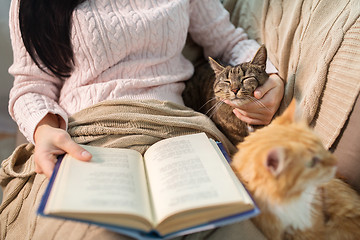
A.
pixel 214 108
pixel 218 105
pixel 259 103
pixel 211 99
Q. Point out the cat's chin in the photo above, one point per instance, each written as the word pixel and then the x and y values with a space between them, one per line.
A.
pixel 239 101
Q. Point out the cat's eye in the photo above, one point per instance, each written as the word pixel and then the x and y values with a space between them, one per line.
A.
pixel 313 162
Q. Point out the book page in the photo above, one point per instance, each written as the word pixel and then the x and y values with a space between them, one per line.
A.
pixel 113 182
pixel 186 172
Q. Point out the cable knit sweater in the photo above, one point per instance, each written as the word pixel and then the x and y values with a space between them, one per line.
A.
pixel 123 49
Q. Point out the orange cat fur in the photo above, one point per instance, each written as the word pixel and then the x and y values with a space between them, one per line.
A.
pixel 291 177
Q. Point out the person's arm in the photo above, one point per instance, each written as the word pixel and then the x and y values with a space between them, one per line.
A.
pixel 33 104
pixel 211 28
pixel 34 93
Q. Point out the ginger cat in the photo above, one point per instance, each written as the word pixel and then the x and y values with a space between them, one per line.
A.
pixel 291 177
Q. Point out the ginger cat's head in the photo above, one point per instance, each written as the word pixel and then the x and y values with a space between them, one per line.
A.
pixel 282 160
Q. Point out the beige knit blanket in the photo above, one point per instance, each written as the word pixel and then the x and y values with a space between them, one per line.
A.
pixel 124 124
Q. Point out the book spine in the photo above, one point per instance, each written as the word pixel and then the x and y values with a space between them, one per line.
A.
pixel 45 197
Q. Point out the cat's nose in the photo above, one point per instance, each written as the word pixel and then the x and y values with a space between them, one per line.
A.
pixel 235 90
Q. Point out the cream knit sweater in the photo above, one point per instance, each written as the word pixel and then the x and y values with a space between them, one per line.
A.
pixel 123 50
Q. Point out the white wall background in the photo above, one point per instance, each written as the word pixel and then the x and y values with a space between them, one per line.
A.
pixel 7 125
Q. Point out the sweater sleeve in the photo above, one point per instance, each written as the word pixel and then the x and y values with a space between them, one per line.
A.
pixel 211 28
pixel 34 92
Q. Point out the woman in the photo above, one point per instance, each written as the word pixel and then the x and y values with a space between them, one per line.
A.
pixel 119 51
pixel 71 55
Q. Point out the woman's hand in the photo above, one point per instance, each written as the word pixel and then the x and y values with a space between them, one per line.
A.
pixel 268 97
pixel 50 141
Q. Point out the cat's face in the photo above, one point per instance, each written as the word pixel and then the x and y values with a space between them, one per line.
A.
pixel 238 83
pixel 283 159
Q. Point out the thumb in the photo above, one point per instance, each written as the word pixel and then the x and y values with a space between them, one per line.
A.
pixel 75 150
pixel 266 87
pixel 82 155
pixel 260 92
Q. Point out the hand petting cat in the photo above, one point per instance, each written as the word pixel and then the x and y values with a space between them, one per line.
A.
pixel 269 96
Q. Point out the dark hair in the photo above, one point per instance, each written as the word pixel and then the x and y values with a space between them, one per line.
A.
pixel 45 27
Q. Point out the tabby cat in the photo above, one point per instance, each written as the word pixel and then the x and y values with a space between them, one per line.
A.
pixel 213 82
pixel 291 177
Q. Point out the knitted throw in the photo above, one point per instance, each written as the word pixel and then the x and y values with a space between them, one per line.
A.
pixel 125 124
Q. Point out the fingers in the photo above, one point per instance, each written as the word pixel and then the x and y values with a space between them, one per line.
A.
pixel 45 165
pixel 262 110
pixel 252 113
pixel 65 143
pixel 274 81
pixel 253 118
pixel 51 142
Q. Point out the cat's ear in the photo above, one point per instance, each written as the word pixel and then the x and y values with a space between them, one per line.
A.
pixel 275 161
pixel 260 57
pixel 217 67
pixel 289 115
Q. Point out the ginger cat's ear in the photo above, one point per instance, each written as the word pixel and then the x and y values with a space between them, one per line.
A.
pixel 217 67
pixel 275 161
pixel 289 115
pixel 260 57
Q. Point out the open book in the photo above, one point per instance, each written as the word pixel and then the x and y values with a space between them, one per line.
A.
pixel 181 185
